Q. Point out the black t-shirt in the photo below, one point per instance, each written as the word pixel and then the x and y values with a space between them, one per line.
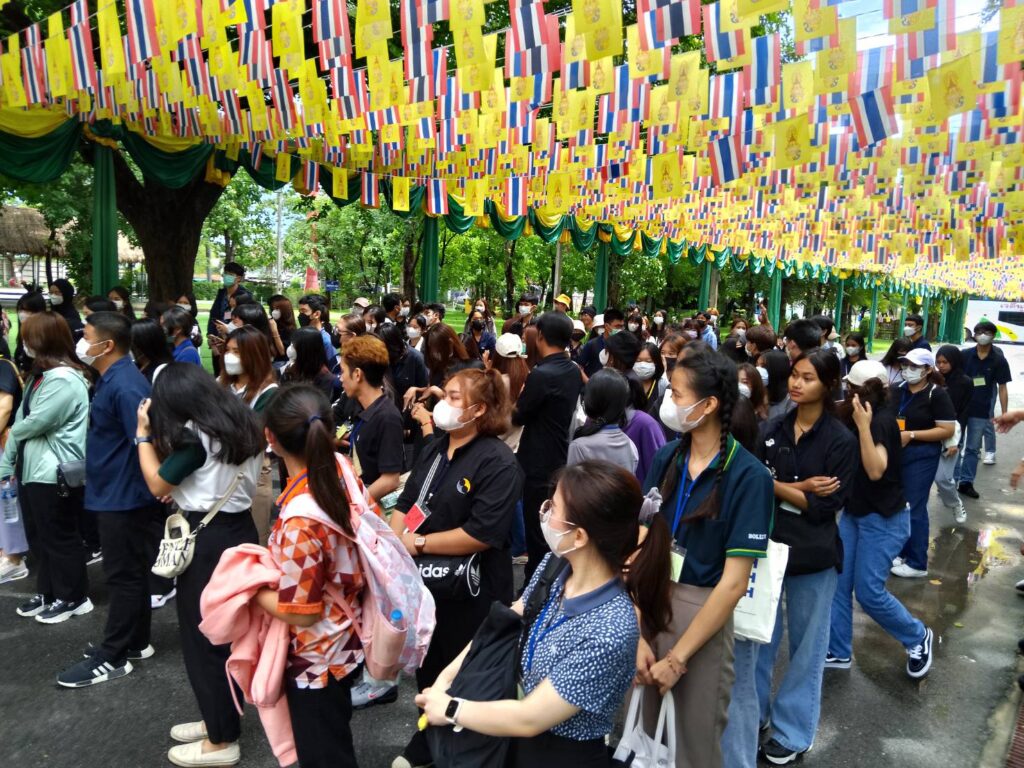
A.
pixel 921 410
pixel 10 385
pixel 376 440
pixel 885 495
pixel 476 491
pixel 960 389
pixel 985 375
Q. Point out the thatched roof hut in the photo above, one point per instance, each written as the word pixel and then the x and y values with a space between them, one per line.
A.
pixel 23 232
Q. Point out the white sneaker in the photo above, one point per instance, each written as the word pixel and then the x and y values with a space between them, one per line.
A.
pixel 960 513
pixel 188 755
pixel 186 733
pixel 370 693
pixel 897 561
pixel 990 458
pixel 10 571
pixel 906 572
pixel 403 762
pixel 159 601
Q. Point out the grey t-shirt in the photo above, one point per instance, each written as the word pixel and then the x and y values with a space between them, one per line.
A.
pixel 610 444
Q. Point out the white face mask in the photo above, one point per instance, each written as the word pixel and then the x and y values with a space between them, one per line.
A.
pixel 524 309
pixel 449 418
pixel 82 351
pixel 909 330
pixel 912 375
pixel 292 354
pixel 552 537
pixel 480 308
pixel 23 315
pixel 633 327
pixel 55 299
pixel 853 351
pixel 645 371
pixel 690 333
pixel 676 417
pixel 118 304
pixel 29 352
pixel 186 307
pixel 371 327
pixel 602 357
pixel 276 314
pixel 232 364
pixel 763 373
pixel 741 334
pixel 659 320
pixel 984 339
pixel 404 312
pixel 744 390
pixel 413 334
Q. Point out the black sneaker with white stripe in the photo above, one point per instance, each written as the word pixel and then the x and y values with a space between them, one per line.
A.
pixel 837 662
pixel 91 671
pixel 919 658
pixel 32 607
pixel 133 655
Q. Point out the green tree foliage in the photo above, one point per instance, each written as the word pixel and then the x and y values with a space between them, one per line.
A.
pixel 242 225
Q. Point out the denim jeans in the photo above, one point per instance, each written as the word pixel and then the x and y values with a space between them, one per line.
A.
pixel 972 448
pixel 990 428
pixel 920 463
pixel 869 545
pixel 739 742
pixel 796 707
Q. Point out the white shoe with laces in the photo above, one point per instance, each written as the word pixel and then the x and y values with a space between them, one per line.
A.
pixel 990 458
pixel 960 513
pixel 904 571
pixel 11 571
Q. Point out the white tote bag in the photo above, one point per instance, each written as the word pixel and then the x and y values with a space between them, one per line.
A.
pixel 637 749
pixel 754 617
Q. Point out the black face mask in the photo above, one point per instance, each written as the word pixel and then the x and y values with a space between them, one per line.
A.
pixel 477 325
pixel 670 364
pixel 577 337
pixel 303 320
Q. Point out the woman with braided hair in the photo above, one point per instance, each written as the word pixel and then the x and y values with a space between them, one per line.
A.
pixel 717 501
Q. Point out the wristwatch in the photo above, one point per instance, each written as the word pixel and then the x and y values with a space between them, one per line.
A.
pixel 912 435
pixel 140 440
pixel 419 542
pixel 451 713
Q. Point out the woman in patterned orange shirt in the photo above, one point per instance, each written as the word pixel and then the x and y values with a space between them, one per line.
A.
pixel 312 543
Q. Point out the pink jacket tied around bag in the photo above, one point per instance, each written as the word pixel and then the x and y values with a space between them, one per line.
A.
pixel 259 642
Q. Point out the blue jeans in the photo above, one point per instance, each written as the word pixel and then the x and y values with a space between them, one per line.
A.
pixel 990 428
pixel 739 741
pixel 869 545
pixel 972 448
pixel 920 462
pixel 797 705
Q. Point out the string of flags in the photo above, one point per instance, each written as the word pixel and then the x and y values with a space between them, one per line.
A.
pixel 901 158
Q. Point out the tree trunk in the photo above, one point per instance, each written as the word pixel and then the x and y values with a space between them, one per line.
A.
pixel 510 277
pixel 168 223
pixel 716 279
pixel 409 260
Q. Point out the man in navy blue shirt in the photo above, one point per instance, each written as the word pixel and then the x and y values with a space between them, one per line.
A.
pixel 117 494
pixel 914 330
pixel 590 356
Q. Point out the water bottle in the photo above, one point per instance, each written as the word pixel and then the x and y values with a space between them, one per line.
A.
pixel 9 499
pixel 396 619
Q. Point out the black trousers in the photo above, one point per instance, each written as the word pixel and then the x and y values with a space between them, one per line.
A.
pixel 127 558
pixel 156 518
pixel 321 720
pixel 55 540
pixel 535 493
pixel 550 751
pixel 89 527
pixel 204 662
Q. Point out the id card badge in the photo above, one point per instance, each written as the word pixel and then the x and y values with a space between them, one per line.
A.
pixel 790 508
pixel 415 517
pixel 678 557
pixel 902 424
pixel 979 381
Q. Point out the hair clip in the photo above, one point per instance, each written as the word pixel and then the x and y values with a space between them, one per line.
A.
pixel 314 417
pixel 650 506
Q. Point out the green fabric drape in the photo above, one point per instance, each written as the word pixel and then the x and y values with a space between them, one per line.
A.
pixel 429 269
pixel 903 309
pixel 171 169
pixel 943 318
pixel 41 159
pixel 547 234
pixel 705 285
pixel 456 219
pixel 582 239
pixel 510 230
pixel 874 318
pixel 925 306
pixel 840 289
pixel 601 276
pixel 104 221
pixel 775 299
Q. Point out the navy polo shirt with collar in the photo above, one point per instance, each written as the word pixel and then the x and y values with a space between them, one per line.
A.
pixel 114 480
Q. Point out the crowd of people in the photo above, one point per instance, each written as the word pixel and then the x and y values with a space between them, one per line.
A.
pixel 636 465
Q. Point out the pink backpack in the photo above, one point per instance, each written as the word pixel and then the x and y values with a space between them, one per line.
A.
pixel 398 614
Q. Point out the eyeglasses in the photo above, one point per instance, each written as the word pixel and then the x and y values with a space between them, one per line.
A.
pixel 545 512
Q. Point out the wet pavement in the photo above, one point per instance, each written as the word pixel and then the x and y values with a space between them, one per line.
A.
pixel 960 715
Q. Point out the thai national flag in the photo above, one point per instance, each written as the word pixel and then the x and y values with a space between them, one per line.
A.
pixel 254 16
pixel 874 117
pixel 515 196
pixel 941 37
pixel 718 44
pixel 417 36
pixel 726 97
pixel 195 65
pixel 662 22
pixel 529 29
pixel 369 192
pixel 311 177
pixel 33 66
pixel 284 100
pixel 726 159
pixel 874 69
pixel 437 197
pixel 437 10
pixel 83 66
pixel 142 42
pixel 765 70
pixel 330 20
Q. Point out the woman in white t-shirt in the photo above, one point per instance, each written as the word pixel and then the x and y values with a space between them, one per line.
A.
pixel 196 443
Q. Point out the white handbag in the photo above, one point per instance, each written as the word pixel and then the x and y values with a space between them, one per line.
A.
pixel 754 617
pixel 637 748
pixel 179 542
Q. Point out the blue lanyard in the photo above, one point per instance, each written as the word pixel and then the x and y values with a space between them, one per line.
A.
pixel 352 436
pixel 685 491
pixel 905 401
pixel 543 631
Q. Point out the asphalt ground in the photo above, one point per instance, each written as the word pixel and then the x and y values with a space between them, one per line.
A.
pixel 872 715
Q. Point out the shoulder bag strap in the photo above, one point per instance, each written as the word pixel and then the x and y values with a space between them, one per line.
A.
pixel 425 488
pixel 220 502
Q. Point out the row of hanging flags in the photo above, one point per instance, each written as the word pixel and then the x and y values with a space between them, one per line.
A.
pixel 892 159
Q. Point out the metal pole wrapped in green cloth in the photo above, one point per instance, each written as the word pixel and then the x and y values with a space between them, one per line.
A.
pixel 838 320
pixel 775 299
pixel 874 318
pixel 943 318
pixel 40 159
pixel 601 276
pixel 429 269
pixel 104 221
pixel 705 285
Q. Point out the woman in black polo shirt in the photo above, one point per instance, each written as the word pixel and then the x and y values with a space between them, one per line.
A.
pixel 812 457
pixel 717 501
pixel 873 526
pixel 469 482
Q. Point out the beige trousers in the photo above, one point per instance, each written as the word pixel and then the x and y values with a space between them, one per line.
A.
pixel 263 501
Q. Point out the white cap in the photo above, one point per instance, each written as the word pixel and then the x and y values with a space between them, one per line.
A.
pixel 864 370
pixel 509 345
pixel 362 302
pixel 599 321
pixel 577 325
pixel 920 356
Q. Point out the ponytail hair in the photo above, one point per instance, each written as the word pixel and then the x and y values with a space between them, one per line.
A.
pixel 605 500
pixel 707 374
pixel 604 401
pixel 301 421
